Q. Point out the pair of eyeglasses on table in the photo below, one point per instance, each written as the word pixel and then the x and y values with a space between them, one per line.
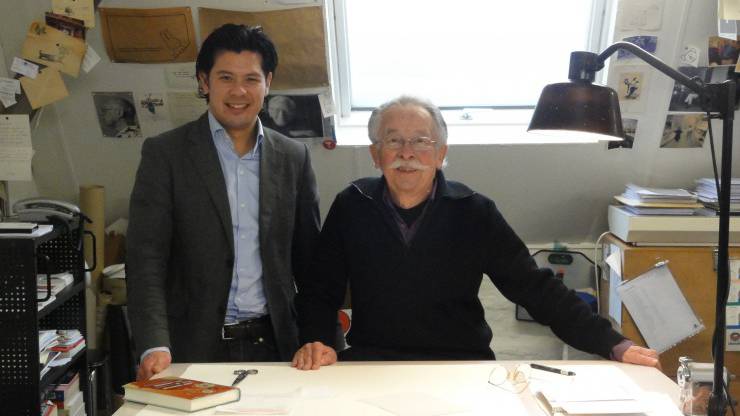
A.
pixel 517 380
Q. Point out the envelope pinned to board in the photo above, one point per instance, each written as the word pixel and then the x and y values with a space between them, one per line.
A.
pixel 47 88
pixel 53 48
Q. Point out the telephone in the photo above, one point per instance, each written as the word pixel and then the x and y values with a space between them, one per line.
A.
pixel 41 209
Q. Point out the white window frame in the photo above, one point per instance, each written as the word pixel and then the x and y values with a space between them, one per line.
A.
pixel 466 126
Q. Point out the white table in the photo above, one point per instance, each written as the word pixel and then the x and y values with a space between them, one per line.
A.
pixel 461 383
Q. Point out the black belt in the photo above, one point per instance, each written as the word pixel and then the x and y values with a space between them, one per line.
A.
pixel 255 330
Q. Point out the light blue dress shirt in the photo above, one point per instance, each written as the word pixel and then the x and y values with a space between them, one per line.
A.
pixel 242 176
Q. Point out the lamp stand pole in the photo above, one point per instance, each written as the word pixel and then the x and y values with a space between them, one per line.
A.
pixel 725 94
pixel 716 98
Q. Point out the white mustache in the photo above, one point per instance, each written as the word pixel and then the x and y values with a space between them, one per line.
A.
pixel 408 164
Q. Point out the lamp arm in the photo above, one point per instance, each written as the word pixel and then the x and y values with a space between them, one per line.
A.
pixel 653 61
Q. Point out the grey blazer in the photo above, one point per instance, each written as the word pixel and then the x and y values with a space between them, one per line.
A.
pixel 180 247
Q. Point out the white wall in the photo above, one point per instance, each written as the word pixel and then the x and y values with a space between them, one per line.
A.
pixel 547 192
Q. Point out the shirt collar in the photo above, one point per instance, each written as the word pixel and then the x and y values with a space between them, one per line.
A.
pixel 218 132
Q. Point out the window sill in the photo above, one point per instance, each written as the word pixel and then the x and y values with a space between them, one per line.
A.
pixel 484 127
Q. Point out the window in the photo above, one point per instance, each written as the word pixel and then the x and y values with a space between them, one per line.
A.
pixel 467 56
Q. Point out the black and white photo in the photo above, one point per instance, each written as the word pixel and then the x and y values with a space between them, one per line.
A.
pixel 296 116
pixel 117 114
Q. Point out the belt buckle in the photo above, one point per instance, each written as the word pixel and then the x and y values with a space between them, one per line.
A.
pixel 223 331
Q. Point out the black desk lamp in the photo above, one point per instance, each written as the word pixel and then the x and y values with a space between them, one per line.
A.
pixel 579 107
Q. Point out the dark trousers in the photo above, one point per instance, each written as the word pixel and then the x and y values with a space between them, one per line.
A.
pixel 371 353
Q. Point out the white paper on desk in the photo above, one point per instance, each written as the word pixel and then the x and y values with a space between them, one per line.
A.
pixel 660 404
pixel 595 389
pixel 263 404
pixel 659 309
pixel 414 404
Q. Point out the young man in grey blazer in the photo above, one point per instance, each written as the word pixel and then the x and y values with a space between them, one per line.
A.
pixel 223 216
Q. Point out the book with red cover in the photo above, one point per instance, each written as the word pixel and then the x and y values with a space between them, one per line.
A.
pixel 180 393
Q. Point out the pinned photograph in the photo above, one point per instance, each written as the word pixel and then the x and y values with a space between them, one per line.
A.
pixel 684 131
pixel 117 114
pixel 67 25
pixel 630 85
pixel 649 43
pixel 683 98
pixel 296 116
pixel 630 128
pixel 722 51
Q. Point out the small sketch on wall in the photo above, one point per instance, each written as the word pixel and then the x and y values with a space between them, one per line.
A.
pixel 684 131
pixel 117 114
pixel 631 86
pixel 631 83
pixel 630 128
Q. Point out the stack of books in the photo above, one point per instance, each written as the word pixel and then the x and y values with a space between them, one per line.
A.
pixel 57 347
pixel 640 200
pixel 706 190
pixel 67 396
pixel 58 282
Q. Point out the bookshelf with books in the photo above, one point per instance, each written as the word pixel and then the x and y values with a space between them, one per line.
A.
pixel 33 307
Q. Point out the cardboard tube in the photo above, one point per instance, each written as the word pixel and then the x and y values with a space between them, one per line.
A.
pixel 92 204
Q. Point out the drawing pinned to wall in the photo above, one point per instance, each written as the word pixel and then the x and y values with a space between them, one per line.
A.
pixel 649 43
pixel 53 48
pixel 722 51
pixel 639 14
pixel 296 116
pixel 689 56
pixel 298 35
pixel 117 114
pixel 684 131
pixel 631 83
pixel 630 130
pixel 78 9
pixel 149 35
pixel 153 112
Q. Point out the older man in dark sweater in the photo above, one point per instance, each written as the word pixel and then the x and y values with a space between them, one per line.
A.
pixel 413 248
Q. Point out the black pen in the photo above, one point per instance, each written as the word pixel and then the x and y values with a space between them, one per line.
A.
pixel 552 369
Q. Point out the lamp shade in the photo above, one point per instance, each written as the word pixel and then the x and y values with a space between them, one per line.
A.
pixel 580 109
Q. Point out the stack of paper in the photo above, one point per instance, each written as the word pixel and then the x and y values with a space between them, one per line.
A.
pixel 594 390
pixel 640 200
pixel 58 282
pixel 706 190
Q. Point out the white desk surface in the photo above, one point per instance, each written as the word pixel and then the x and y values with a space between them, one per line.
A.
pixel 462 383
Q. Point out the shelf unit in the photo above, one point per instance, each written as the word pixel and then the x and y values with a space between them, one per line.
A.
pixel 21 260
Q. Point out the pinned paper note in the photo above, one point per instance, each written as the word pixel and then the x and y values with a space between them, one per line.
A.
pixel 48 87
pixel 727 29
pixel 53 48
pixel 90 60
pixel 639 14
pixel 25 68
pixel 15 147
pixel 10 86
pixel 181 76
pixel 327 104
pixel 185 107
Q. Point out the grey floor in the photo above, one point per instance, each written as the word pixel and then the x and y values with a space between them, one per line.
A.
pixel 520 340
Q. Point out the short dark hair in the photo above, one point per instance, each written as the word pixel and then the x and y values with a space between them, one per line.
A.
pixel 237 38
